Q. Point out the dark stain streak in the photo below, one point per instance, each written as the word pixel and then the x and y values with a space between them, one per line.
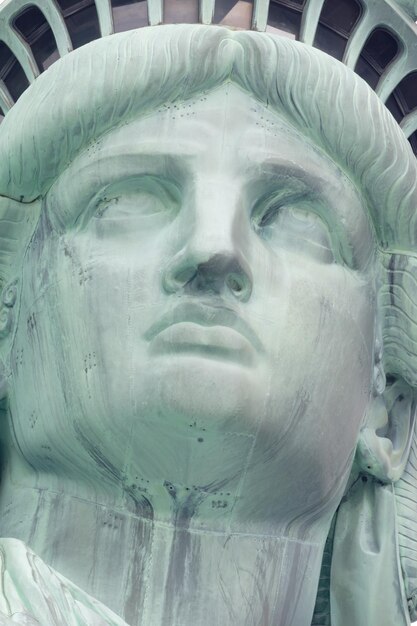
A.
pixel 97 455
pixel 67 251
pixel 31 323
pixel 170 489
pixel 142 506
pixel 180 552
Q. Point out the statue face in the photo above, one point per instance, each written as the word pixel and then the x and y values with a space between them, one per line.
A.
pixel 198 307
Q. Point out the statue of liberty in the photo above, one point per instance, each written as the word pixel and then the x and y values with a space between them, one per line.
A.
pixel 207 338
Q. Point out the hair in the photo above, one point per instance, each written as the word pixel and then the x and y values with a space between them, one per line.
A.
pixel 116 79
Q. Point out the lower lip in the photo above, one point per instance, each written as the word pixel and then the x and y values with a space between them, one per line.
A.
pixel 215 342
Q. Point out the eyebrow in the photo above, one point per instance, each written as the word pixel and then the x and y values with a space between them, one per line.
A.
pixel 278 167
pixel 162 161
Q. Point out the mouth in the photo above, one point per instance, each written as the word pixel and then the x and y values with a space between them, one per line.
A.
pixel 210 330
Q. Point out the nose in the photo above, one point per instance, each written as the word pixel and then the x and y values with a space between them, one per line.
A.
pixel 220 273
pixel 212 261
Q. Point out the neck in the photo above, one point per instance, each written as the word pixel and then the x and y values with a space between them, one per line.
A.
pixel 171 573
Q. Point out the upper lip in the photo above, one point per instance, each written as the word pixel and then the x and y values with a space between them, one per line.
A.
pixel 205 314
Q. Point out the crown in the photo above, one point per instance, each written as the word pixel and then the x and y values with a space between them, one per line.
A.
pixel 375 38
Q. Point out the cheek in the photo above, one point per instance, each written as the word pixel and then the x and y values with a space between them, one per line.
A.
pixel 79 340
pixel 320 333
pixel 320 378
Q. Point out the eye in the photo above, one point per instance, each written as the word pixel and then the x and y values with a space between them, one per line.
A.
pixel 279 212
pixel 294 224
pixel 134 205
pixel 142 197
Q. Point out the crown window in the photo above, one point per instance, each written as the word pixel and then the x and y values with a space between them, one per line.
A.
pixel 380 49
pixel 403 99
pixel 394 107
pixel 413 142
pixel 11 72
pixel 129 14
pixel 336 24
pixel 284 17
pixel 232 13
pixel 81 20
pixel 180 11
pixel 406 93
pixel 32 26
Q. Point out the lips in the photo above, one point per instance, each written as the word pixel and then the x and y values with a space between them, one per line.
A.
pixel 211 330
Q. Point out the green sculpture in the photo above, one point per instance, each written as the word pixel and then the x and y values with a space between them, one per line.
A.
pixel 207 339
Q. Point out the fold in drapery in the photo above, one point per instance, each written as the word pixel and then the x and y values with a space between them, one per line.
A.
pixel 365 588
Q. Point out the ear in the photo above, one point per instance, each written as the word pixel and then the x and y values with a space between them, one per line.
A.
pixel 385 440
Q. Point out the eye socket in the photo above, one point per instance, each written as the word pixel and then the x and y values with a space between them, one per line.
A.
pixel 142 196
pixel 294 224
pixel 278 212
pixel 135 204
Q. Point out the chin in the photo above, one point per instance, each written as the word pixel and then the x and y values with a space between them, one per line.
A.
pixel 221 394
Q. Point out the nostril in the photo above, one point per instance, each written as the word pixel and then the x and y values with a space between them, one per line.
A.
pixel 176 279
pixel 234 284
pixel 213 275
pixel 185 276
pixel 239 285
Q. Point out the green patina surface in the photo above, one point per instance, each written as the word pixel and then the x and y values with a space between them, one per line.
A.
pixel 207 339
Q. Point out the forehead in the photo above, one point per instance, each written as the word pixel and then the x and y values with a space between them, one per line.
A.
pixel 226 122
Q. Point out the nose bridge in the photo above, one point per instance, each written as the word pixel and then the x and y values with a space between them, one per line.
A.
pixel 213 256
pixel 216 218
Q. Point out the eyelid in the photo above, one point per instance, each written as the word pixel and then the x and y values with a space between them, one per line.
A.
pixel 146 182
pixel 149 183
pixel 276 200
pixel 305 202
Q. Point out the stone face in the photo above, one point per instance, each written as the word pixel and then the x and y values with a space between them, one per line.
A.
pixel 193 323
